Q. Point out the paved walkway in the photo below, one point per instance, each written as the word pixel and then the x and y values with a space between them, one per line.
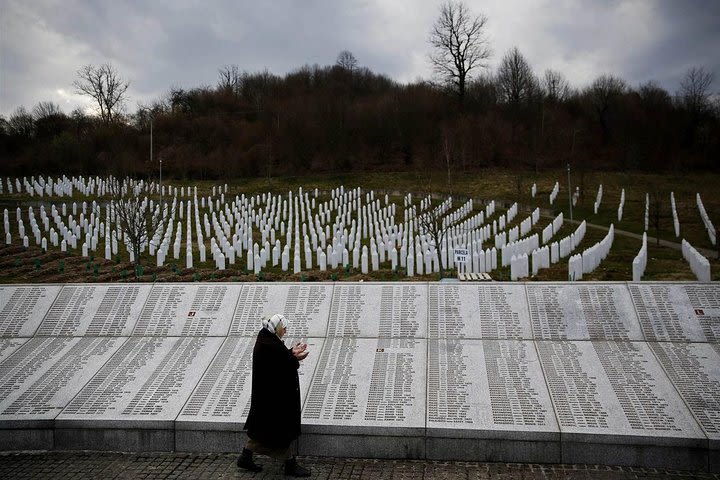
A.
pixel 108 465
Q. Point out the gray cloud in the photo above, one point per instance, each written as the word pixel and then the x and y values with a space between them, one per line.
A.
pixel 168 43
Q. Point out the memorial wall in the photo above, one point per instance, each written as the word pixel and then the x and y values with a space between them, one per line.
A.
pixel 619 373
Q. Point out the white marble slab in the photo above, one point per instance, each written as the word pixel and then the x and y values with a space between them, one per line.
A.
pixel 9 345
pixel 368 385
pixel 694 369
pixel 50 388
pixel 22 367
pixel 188 309
pixel 145 383
pixel 306 307
pixel 678 312
pixel 615 389
pixel 497 310
pixel 95 310
pixel 582 311
pixel 478 386
pixel 223 393
pixel 379 310
pixel 22 308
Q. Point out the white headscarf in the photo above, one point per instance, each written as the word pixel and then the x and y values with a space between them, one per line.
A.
pixel 272 323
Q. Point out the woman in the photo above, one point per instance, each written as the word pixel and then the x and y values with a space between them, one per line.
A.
pixel 274 418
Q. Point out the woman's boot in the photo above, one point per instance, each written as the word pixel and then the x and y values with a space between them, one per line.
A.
pixel 294 469
pixel 246 461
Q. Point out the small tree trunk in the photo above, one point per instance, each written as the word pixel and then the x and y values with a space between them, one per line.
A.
pixel 136 252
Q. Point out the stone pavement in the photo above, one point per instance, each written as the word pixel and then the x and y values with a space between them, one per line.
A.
pixel 111 465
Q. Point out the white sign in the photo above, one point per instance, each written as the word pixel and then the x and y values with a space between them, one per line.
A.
pixel 461 255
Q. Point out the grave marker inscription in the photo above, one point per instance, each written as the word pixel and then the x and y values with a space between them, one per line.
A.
pixel 182 309
pixel 379 310
pixel 588 311
pixel 678 312
pixel 305 306
pixel 95 310
pixel 22 308
pixel 478 311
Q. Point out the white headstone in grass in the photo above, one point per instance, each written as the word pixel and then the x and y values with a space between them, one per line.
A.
pixel 676 222
pixel 335 257
pixel 285 259
pixel 575 268
pixel 257 263
pixel 535 261
pixel 419 262
pixel 276 253
pixel 554 252
pixel 516 267
pixel 698 263
pixel 393 258
pixel 480 265
pixel 364 260
pixel 426 256
pixel 321 260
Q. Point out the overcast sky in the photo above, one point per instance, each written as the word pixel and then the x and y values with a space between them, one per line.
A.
pixel 182 43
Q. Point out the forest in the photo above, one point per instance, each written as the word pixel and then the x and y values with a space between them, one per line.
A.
pixel 346 118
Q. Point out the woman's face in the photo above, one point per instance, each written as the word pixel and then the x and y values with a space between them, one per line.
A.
pixel 280 331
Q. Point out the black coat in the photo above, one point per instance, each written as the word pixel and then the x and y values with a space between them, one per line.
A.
pixel 274 418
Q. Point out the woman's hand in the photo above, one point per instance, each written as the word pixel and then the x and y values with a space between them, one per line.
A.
pixel 300 350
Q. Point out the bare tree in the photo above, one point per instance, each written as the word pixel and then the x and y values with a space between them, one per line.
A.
pixel 21 123
pixel 138 222
pixel 459 46
pixel 695 96
pixel 658 214
pixel 179 100
pixel 46 109
pixel 695 90
pixel 516 81
pixel 347 61
pixel 602 94
pixel 230 79
pixel 431 223
pixel 556 86
pixel 653 96
pixel 105 86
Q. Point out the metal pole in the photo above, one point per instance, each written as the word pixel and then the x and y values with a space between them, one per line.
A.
pixel 151 158
pixel 569 191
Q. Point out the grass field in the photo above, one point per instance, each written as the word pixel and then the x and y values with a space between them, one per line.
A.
pixel 20 265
